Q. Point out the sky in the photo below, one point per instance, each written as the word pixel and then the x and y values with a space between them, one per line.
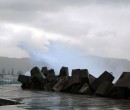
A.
pixel 92 27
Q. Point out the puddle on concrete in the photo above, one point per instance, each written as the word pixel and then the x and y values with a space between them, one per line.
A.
pixel 42 100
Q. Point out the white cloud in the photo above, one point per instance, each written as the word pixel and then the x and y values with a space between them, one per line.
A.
pixel 95 28
pixel 37 38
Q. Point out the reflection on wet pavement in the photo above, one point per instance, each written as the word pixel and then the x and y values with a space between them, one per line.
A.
pixel 42 100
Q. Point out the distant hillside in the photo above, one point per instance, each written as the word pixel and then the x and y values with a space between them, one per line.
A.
pixel 96 65
pixel 9 65
pixel 99 64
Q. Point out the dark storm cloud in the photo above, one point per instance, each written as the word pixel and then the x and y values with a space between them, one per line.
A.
pixel 52 5
pixel 14 10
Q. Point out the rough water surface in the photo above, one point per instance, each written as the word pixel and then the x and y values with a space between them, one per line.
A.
pixel 44 100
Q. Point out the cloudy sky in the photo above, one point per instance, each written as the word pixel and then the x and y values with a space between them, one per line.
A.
pixel 93 27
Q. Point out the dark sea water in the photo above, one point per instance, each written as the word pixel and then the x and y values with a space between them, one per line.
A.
pixel 42 100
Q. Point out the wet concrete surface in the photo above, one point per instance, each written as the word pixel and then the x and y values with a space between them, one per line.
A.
pixel 43 100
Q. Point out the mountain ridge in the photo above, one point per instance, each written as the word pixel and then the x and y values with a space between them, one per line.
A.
pixel 96 65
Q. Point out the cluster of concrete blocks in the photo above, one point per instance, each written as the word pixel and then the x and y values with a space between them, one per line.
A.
pixel 80 82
